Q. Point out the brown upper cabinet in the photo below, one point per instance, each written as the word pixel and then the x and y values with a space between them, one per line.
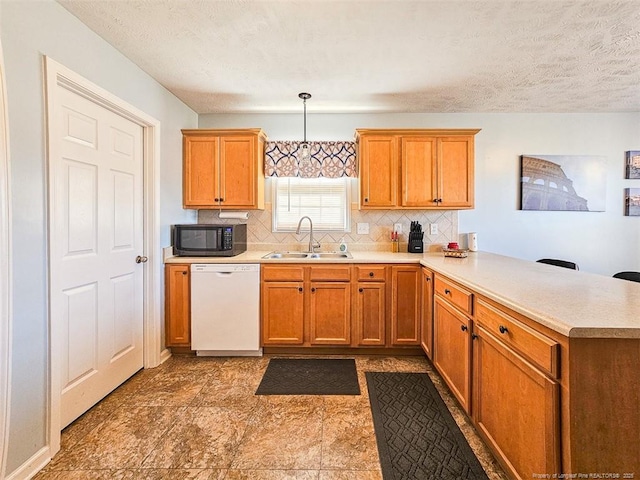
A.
pixel 421 169
pixel 223 169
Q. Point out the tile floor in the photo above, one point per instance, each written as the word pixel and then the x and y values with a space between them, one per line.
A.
pixel 198 418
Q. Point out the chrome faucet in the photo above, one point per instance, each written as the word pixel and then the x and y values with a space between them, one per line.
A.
pixel 312 245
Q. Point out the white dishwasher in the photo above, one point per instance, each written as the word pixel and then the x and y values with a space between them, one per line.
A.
pixel 225 309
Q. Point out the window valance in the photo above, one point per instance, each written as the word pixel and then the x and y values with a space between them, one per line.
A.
pixel 328 159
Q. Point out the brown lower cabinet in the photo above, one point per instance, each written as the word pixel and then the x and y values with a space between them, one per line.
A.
pixel 330 313
pixel 426 329
pixel 452 350
pixel 405 305
pixel 341 305
pixel 370 306
pixel 306 305
pixel 544 403
pixel 516 408
pixel 177 305
pixel 282 313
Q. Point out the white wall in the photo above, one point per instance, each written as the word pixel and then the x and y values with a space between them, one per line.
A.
pixel 600 242
pixel 28 31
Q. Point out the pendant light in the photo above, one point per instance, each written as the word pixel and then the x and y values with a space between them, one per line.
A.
pixel 305 148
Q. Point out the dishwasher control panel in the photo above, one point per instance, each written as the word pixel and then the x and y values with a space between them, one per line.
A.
pixel 227 267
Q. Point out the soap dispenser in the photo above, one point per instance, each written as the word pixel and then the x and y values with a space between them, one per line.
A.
pixel 343 245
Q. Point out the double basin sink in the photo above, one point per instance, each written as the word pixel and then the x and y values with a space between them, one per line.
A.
pixel 306 255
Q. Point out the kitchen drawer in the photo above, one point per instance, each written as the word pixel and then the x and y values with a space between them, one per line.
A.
pixel 282 273
pixel 330 273
pixel 537 347
pixel 458 296
pixel 371 273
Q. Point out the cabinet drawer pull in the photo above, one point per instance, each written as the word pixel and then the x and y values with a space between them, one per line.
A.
pixel 464 328
pixel 361 290
pixel 447 291
pixel 371 274
pixel 299 289
pixel 503 329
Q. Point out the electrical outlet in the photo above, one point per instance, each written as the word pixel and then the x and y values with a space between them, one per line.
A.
pixel 433 229
pixel 397 227
pixel 362 228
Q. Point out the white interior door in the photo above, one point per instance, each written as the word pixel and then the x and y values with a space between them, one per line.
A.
pixel 96 234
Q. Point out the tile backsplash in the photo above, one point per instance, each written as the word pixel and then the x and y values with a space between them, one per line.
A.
pixel 260 236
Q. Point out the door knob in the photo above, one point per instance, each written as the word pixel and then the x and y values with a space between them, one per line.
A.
pixel 141 259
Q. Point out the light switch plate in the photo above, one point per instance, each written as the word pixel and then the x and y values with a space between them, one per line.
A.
pixel 433 229
pixel 397 227
pixel 362 228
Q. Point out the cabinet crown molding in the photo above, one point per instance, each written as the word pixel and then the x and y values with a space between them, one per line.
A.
pixel 205 132
pixel 416 131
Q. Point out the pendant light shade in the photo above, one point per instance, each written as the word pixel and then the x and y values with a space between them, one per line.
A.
pixel 305 148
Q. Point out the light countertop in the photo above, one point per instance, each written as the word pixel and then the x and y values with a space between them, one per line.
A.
pixel 256 257
pixel 570 302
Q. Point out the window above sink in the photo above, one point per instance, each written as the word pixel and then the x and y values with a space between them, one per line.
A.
pixel 327 201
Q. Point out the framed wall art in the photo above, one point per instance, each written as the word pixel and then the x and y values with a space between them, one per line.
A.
pixel 632 202
pixel 563 183
pixel 632 164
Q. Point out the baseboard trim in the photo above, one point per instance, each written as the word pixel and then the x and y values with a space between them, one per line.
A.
pixel 32 466
pixel 400 351
pixel 165 355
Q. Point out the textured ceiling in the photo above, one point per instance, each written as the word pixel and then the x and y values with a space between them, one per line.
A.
pixel 381 56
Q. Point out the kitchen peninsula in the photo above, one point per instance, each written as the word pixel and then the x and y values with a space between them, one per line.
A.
pixel 544 360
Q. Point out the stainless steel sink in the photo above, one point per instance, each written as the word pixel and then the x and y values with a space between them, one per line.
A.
pixel 306 255
pixel 285 255
pixel 330 255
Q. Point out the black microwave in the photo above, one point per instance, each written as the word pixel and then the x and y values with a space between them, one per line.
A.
pixel 204 240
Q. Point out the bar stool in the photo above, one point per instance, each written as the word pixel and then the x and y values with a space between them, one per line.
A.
pixel 631 276
pixel 559 263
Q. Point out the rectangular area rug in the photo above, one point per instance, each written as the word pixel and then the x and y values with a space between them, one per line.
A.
pixel 417 436
pixel 310 376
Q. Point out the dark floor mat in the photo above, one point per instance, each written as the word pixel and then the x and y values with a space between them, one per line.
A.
pixel 417 437
pixel 310 376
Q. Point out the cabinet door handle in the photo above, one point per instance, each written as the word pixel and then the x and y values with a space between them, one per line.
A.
pixel 366 199
pixel 299 289
pixel 221 199
pixel 439 200
pixel 428 279
pixel 474 336
pixel 503 329
pixel 435 200
pixel 185 272
pixel 447 291
pixel 313 289
pixel 216 199
pixel 464 328
pixel 361 290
